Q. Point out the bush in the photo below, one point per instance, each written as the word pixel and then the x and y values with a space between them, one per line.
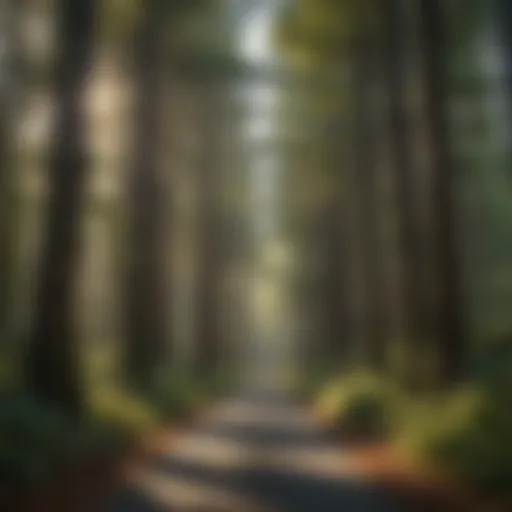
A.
pixel 35 440
pixel 9 366
pixel 118 410
pixel 362 405
pixel 38 441
pixel 309 386
pixel 492 370
pixel 175 396
pixel 220 384
pixel 468 435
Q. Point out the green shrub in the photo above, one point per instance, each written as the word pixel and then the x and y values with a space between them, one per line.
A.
pixel 35 440
pixel 467 434
pixel 307 388
pixel 219 384
pixel 120 410
pixel 9 366
pixel 175 396
pixel 311 383
pixel 492 370
pixel 362 405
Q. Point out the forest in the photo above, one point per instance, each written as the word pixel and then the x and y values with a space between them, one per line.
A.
pixel 277 233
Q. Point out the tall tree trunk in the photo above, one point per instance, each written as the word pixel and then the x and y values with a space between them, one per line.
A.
pixel 504 22
pixel 335 291
pixel 5 165
pixel 365 169
pixel 11 95
pixel 53 369
pixel 395 21
pixel 145 321
pixel 452 343
pixel 337 286
pixel 208 344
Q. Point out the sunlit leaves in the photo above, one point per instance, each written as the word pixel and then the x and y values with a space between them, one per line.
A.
pixel 118 17
pixel 322 30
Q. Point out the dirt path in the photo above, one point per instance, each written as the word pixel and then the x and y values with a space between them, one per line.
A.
pixel 257 453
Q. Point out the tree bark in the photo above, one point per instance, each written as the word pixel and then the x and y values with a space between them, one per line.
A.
pixel 145 321
pixel 504 22
pixel 395 21
pixel 365 169
pixel 11 98
pixel 335 292
pixel 53 366
pixel 451 332
pixel 340 329
pixel 208 343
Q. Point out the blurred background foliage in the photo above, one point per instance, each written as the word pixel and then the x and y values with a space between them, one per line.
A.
pixel 180 216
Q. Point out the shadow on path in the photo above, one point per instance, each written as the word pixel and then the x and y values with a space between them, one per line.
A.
pixel 273 465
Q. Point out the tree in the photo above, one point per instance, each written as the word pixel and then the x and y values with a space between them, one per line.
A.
pixel 145 319
pixel 395 22
pixel 335 285
pixel 452 343
pixel 365 188
pixel 8 19
pixel 504 13
pixel 53 365
pixel 338 36
pixel 13 67
pixel 208 344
